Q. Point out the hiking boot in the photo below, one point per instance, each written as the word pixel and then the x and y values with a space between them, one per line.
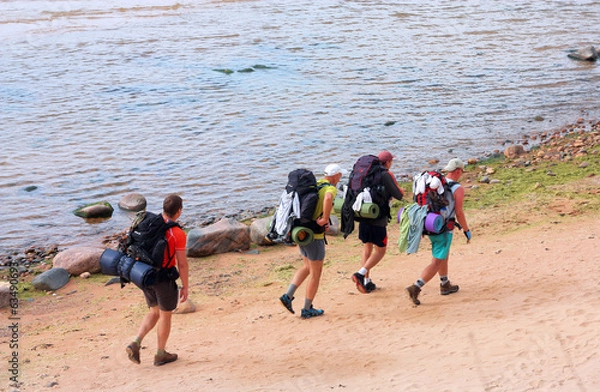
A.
pixel 312 312
pixel 160 360
pixel 413 294
pixel 369 287
pixel 133 352
pixel 448 288
pixel 359 279
pixel 287 302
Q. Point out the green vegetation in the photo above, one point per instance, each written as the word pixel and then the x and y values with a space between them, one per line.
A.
pixel 542 182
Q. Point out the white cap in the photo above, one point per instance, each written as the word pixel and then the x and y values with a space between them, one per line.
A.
pixel 455 163
pixel 333 169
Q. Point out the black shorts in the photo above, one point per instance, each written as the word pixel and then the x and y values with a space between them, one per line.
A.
pixel 163 294
pixel 376 235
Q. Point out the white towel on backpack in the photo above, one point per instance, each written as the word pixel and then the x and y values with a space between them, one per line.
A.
pixel 363 197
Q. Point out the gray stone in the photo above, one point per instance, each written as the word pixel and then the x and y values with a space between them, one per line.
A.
pixel 133 202
pixel 259 229
pixel 101 209
pixel 5 294
pixel 51 280
pixel 80 259
pixel 334 226
pixel 586 54
pixel 226 235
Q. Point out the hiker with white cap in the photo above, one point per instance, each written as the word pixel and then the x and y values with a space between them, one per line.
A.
pixel 440 243
pixel 313 254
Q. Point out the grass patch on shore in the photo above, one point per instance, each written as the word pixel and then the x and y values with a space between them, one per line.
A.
pixel 543 182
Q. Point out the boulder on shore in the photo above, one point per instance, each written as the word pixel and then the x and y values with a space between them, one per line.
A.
pixel 78 260
pixel 259 229
pixel 5 294
pixel 514 151
pixel 51 280
pixel 227 235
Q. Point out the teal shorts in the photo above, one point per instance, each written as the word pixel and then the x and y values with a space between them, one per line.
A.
pixel 440 245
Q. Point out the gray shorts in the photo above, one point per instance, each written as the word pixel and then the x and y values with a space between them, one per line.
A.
pixel 315 251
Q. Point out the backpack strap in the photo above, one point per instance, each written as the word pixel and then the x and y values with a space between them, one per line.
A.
pixel 170 224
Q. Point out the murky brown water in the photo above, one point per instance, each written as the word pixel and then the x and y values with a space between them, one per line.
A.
pixel 103 98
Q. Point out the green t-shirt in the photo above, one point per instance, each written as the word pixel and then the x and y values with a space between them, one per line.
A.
pixel 319 209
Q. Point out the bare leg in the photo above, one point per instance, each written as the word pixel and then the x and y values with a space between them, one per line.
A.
pixel 367 251
pixel 316 267
pixel 164 328
pixel 375 257
pixel 433 268
pixel 302 273
pixel 149 322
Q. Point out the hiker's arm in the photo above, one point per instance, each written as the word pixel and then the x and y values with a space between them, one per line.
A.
pixel 459 197
pixel 391 185
pixel 183 267
pixel 327 207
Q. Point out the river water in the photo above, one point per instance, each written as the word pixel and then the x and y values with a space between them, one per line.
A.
pixel 219 100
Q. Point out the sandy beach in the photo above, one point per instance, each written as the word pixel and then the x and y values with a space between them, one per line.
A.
pixel 526 318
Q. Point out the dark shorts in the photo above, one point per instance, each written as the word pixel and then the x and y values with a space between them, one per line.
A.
pixel 164 294
pixel 376 235
pixel 315 251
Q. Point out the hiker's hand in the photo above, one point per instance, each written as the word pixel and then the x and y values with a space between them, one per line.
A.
pixel 468 235
pixel 323 222
pixel 183 294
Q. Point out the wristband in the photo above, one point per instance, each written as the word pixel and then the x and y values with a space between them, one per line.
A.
pixel 468 234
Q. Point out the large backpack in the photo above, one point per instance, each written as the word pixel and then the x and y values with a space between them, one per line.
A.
pixel 146 240
pixel 367 172
pixel 296 206
pixel 431 189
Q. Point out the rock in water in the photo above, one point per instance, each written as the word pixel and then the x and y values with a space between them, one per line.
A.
pixel 586 54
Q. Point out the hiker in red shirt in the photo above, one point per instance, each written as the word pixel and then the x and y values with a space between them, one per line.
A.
pixel 162 297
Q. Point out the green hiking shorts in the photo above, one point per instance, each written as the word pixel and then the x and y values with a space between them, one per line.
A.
pixel 440 245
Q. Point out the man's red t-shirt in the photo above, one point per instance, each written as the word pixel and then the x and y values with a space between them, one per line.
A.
pixel 176 239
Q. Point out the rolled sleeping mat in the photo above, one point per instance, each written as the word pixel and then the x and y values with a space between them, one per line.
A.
pixel 125 265
pixel 109 262
pixel 368 210
pixel 302 235
pixel 400 213
pixel 434 223
pixel 338 202
pixel 142 275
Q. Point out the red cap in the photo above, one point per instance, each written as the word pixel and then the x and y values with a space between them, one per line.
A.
pixel 385 156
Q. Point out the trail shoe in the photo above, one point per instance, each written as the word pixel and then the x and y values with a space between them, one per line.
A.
pixel 133 352
pixel 369 287
pixel 287 302
pixel 160 360
pixel 312 312
pixel 448 288
pixel 359 279
pixel 413 294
